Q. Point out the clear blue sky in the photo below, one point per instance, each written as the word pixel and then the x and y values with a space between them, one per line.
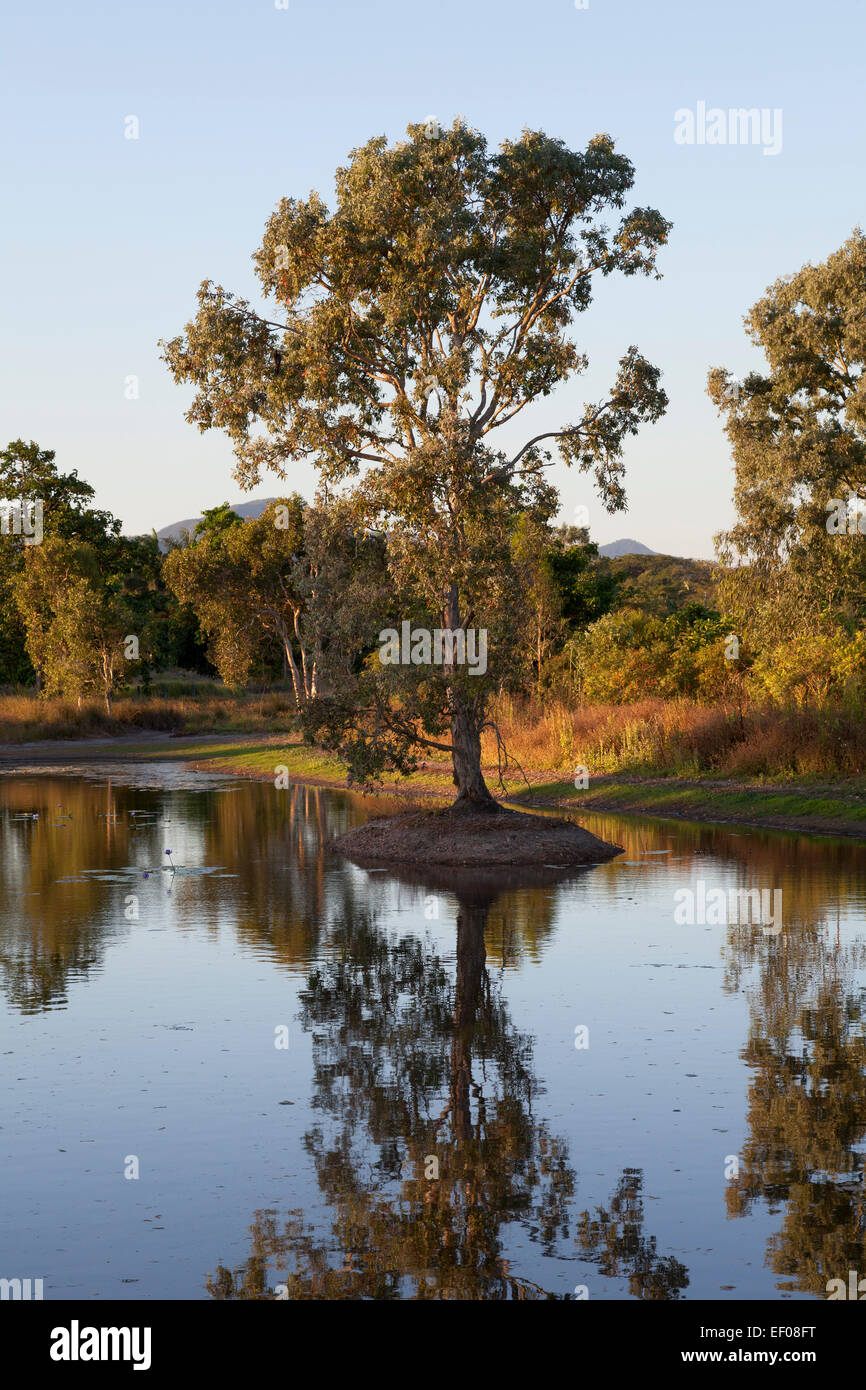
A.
pixel 105 239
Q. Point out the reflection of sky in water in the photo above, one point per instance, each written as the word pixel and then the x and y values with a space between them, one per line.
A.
pixel 155 1037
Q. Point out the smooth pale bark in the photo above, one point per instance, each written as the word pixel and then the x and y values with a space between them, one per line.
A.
pixel 107 675
pixel 304 680
pixel 293 668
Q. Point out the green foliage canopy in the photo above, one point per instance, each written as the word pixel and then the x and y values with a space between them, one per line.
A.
pixel 429 309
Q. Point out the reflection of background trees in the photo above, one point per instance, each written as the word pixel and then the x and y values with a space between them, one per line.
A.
pixel 285 891
pixel 411 1064
pixel 806 1044
pixel 614 1237
pixel 807 1102
pixel 809 871
pixel 53 931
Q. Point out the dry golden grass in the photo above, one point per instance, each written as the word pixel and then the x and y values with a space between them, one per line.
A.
pixel 25 719
pixel 664 737
pixel 683 738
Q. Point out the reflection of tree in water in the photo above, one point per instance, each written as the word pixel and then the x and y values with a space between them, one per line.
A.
pixel 806 1048
pixel 807 1103
pixel 51 931
pixel 287 891
pixel 416 1072
pixel 396 1084
pixel 281 893
pixel 614 1238
pixel 56 920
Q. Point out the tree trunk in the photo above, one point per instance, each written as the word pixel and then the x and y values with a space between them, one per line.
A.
pixel 472 793
pixel 107 678
pixel 308 668
pixel 289 659
pixel 471 960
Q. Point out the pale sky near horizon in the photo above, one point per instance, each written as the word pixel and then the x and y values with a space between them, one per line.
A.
pixel 106 239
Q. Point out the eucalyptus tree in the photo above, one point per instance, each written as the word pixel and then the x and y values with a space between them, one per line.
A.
pixel 798 435
pixel 77 624
pixel 426 312
pixel 266 584
pixel 29 476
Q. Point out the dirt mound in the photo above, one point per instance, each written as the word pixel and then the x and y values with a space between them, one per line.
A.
pixel 482 840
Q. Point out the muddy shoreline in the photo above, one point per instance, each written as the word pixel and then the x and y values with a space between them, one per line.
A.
pixel 701 800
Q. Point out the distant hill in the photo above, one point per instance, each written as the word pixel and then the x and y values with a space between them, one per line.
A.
pixel 248 510
pixel 614 549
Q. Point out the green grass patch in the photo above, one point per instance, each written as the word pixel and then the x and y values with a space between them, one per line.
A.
pixel 845 806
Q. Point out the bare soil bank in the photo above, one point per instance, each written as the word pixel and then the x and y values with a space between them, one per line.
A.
pixel 467 839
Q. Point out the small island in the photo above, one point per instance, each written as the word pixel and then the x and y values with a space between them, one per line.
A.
pixel 473 838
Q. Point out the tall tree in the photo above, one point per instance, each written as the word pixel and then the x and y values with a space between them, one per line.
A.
pixel 430 309
pixel 798 436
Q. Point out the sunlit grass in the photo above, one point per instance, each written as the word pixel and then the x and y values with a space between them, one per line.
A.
pixel 684 739
pixel 26 718
pixel 547 740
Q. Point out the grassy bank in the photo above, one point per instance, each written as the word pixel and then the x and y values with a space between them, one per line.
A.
pixel 206 709
pixel 838 808
pixel 797 769
pixel 652 737
pixel 813 806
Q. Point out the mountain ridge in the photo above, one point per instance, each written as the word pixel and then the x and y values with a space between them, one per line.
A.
pixel 250 510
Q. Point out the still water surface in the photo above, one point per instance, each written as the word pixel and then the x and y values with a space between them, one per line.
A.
pixel 287 1049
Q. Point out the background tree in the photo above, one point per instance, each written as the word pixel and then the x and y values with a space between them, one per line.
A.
pixel 238 579
pixel 216 521
pixel 630 654
pixel 28 472
pixel 76 624
pixel 428 310
pixel 565 590
pixel 798 435
pixel 660 584
pixel 270 584
pixel 166 632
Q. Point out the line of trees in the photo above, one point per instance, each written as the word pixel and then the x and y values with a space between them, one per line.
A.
pixel 292 595
pixel 299 592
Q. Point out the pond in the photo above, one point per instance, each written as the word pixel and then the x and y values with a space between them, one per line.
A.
pixel 236 1066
